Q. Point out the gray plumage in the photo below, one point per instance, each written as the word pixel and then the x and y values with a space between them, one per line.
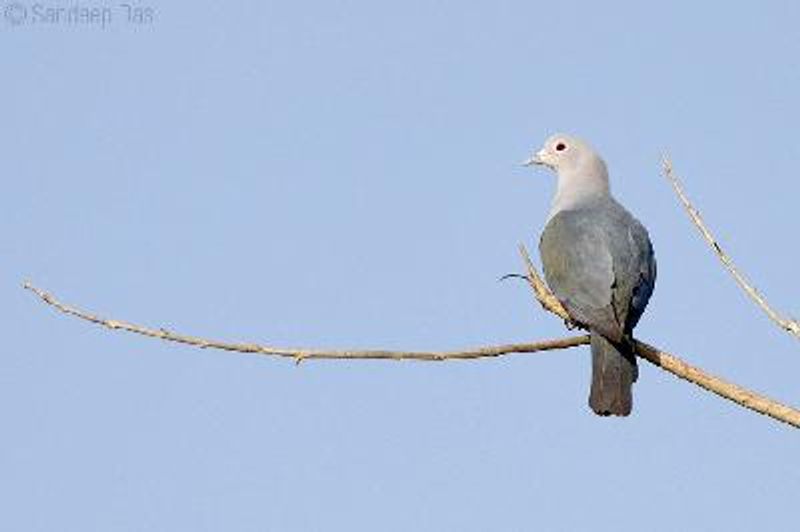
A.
pixel 599 262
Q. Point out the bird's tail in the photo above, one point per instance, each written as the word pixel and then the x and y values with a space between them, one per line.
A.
pixel 613 373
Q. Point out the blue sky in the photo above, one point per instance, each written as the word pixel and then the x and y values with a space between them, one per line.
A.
pixel 345 174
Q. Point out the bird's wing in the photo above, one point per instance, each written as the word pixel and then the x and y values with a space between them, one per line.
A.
pixel 579 268
pixel 634 271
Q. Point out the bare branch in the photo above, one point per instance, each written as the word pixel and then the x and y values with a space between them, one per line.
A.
pixel 666 361
pixel 728 390
pixel 673 364
pixel 540 290
pixel 299 354
pixel 789 325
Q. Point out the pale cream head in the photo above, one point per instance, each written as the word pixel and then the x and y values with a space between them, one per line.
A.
pixel 582 174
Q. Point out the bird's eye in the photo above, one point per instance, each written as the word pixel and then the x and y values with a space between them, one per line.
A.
pixel 561 146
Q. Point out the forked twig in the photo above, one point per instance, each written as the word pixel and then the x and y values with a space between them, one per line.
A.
pixel 653 355
pixel 672 364
pixel 549 302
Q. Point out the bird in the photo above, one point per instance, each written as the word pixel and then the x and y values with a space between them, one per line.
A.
pixel 599 262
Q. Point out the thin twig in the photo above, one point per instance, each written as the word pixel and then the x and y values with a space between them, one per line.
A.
pixel 299 354
pixel 657 357
pixel 671 363
pixel 789 325
pixel 542 293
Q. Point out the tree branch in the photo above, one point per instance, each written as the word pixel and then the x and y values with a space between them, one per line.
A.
pixel 789 325
pixel 671 363
pixel 728 390
pixel 661 359
pixel 541 292
pixel 299 354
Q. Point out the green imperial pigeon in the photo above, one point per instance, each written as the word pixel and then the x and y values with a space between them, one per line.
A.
pixel 599 262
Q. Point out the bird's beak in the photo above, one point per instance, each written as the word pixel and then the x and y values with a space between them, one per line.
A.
pixel 535 159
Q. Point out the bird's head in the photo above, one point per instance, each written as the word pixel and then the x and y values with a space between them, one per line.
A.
pixel 565 154
pixel 582 174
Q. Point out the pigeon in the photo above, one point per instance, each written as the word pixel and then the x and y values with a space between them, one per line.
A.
pixel 599 263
